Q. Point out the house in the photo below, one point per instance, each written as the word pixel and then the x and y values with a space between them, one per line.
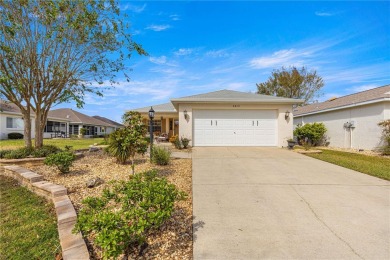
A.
pixel 60 122
pixel 109 121
pixel 226 118
pixel 79 120
pixel 352 120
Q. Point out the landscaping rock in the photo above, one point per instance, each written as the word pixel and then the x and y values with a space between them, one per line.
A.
pixel 93 148
pixel 91 183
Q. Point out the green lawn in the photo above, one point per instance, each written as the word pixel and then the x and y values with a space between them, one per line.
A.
pixel 371 165
pixel 28 226
pixel 61 143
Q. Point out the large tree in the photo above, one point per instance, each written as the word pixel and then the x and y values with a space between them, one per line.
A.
pixel 292 83
pixel 54 51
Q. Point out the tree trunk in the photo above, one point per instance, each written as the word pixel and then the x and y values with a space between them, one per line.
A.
pixel 27 128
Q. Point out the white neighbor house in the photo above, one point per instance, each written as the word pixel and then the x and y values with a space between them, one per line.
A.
pixel 60 123
pixel 226 118
pixel 352 120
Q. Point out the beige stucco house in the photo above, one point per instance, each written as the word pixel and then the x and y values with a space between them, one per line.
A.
pixel 352 120
pixel 226 118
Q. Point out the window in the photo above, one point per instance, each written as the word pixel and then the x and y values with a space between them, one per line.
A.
pixel 170 124
pixel 156 126
pixel 15 123
pixel 74 129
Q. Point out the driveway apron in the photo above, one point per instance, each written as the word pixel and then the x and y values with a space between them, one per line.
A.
pixel 270 203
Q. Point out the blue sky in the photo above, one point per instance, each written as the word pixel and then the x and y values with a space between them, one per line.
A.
pixel 198 47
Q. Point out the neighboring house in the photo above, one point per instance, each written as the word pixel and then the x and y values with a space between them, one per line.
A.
pixel 352 120
pixel 11 121
pixel 60 122
pixel 79 120
pixel 226 118
pixel 109 121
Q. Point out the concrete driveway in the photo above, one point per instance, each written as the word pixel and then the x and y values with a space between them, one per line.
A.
pixel 255 203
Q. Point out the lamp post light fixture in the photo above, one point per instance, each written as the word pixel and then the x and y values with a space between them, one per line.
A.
pixel 287 115
pixel 151 116
pixel 185 113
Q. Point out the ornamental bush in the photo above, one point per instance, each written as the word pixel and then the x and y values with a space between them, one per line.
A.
pixel 19 153
pixel 15 136
pixel 45 151
pixel 126 212
pixel 62 160
pixel 312 133
pixel 385 125
pixel 161 156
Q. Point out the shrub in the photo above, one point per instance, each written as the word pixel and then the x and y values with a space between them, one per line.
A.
pixel 385 149
pixel 173 139
pixel 63 161
pixel 19 153
pixel 185 142
pixel 127 211
pixel 45 150
pixel 312 133
pixel 3 153
pixel 178 144
pixel 15 136
pixel 160 156
pixel 83 131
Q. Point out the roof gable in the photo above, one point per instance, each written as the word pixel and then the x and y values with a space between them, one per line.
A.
pixel 231 95
pixel 77 117
pixel 378 94
pixel 161 108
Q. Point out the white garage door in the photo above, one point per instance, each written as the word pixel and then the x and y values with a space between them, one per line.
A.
pixel 235 127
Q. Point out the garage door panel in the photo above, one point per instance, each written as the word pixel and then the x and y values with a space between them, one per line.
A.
pixel 235 127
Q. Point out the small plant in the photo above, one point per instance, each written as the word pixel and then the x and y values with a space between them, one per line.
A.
pixel 306 144
pixel 185 141
pixel 126 212
pixel 15 136
pixel 3 153
pixel 161 156
pixel 385 149
pixel 178 144
pixel 83 131
pixel 68 148
pixel 62 160
pixel 19 153
pixel 45 151
pixel 173 138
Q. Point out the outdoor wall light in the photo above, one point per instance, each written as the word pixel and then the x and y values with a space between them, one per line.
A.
pixel 287 115
pixel 151 113
pixel 185 114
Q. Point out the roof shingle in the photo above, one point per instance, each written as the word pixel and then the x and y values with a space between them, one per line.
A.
pixel 360 97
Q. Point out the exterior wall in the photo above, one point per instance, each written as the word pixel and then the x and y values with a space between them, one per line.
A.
pixel 285 127
pixel 4 131
pixel 366 134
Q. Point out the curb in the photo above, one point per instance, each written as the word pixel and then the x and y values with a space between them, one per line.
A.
pixel 73 245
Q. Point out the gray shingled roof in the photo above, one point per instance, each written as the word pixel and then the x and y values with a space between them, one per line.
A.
pixel 341 102
pixel 235 96
pixel 9 107
pixel 109 121
pixel 161 108
pixel 77 117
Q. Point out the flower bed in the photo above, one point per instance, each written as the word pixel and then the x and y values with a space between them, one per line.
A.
pixel 173 240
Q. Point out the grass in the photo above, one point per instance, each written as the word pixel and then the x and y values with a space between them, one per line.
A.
pixel 371 165
pixel 61 143
pixel 28 224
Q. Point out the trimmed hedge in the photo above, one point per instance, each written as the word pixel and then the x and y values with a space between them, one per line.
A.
pixel 15 136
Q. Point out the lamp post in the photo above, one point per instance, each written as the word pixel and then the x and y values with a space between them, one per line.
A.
pixel 151 116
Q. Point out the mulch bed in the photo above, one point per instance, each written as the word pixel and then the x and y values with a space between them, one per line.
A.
pixel 173 240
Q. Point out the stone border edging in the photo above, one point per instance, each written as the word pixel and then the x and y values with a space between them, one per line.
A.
pixel 29 160
pixel 73 245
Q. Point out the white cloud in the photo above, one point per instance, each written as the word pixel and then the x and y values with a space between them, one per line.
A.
pixel 280 58
pixel 158 60
pixel 321 13
pixel 184 51
pixel 217 54
pixel 158 27
pixel 133 8
pixel 363 87
pixel 174 17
